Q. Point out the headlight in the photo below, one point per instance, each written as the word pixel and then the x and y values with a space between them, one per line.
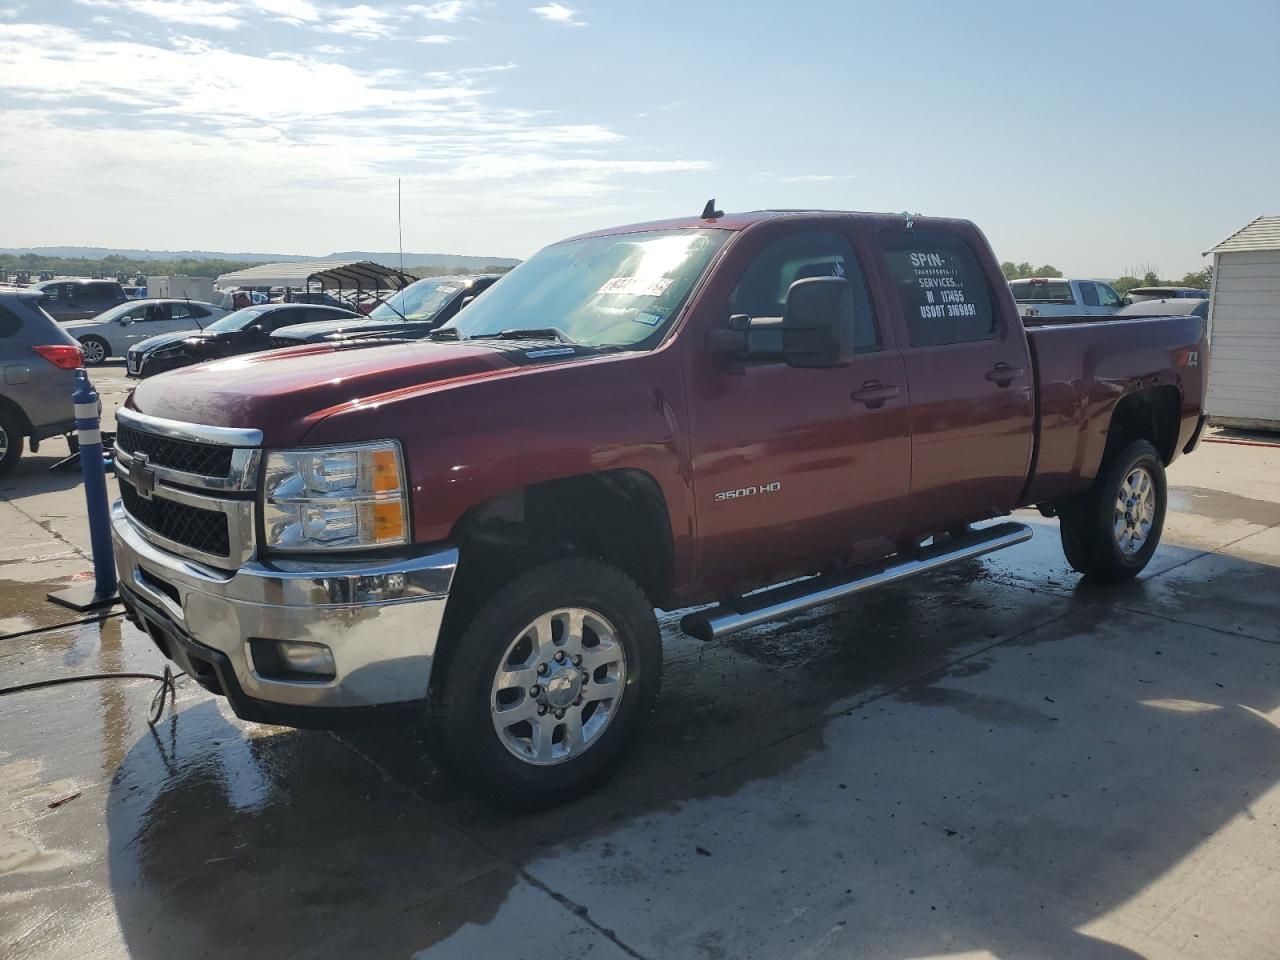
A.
pixel 338 498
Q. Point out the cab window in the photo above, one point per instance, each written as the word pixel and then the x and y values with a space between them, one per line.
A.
pixel 1108 296
pixel 762 289
pixel 1088 294
pixel 941 288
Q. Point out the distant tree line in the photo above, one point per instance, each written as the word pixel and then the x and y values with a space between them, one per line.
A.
pixel 423 272
pixel 1020 271
pixel 109 267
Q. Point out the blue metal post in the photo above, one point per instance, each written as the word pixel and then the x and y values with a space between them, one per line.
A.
pixel 88 426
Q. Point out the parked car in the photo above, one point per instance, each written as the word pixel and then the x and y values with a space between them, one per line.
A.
pixel 474 530
pixel 410 314
pixel 1139 294
pixel 78 299
pixel 245 331
pixel 112 333
pixel 1060 297
pixel 1176 307
pixel 37 363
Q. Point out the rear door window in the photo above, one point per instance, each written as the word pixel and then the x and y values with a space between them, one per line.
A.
pixel 1088 294
pixel 941 287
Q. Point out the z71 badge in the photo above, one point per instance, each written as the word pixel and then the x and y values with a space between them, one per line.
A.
pixel 725 495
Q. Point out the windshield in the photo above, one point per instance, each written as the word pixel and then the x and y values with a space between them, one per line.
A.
pixel 121 310
pixel 418 301
pixel 601 291
pixel 236 321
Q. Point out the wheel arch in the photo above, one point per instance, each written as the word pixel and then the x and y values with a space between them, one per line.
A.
pixel 1149 414
pixel 618 516
pixel 13 407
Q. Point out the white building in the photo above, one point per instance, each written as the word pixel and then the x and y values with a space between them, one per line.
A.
pixel 1244 328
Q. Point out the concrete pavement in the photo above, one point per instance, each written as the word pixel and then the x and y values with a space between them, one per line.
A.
pixel 996 761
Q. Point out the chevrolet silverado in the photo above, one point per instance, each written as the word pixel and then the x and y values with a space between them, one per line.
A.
pixel 763 411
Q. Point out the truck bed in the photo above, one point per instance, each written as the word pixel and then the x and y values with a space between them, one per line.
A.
pixel 1084 366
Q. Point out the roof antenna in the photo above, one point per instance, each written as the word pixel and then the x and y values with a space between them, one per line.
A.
pixel 709 212
pixel 909 218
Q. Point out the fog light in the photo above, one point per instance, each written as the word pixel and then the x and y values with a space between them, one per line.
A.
pixel 293 660
pixel 306 657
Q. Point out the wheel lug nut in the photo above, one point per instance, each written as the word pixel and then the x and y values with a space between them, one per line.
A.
pixel 559 714
pixel 542 709
pixel 578 702
pixel 559 656
pixel 577 660
pixel 542 669
pixel 535 692
pixel 586 678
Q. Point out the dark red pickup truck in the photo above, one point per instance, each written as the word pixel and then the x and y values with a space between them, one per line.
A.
pixel 474 531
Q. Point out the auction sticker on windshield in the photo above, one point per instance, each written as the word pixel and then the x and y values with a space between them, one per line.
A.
pixel 635 287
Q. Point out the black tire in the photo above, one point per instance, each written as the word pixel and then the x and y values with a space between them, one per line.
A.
pixel 1088 524
pixel 10 440
pixel 460 729
pixel 91 347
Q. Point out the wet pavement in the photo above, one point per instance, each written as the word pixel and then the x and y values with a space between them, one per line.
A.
pixel 995 761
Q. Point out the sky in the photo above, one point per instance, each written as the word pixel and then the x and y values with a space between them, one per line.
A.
pixel 1097 137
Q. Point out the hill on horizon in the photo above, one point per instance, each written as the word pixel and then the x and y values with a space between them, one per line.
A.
pixel 388 258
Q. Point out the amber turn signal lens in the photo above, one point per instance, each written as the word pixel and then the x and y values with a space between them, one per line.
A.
pixel 386 471
pixel 388 521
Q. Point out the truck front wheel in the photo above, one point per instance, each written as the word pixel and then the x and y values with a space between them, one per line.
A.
pixel 547 685
pixel 1111 531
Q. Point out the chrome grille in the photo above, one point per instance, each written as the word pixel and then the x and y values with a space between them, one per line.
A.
pixel 203 530
pixel 189 456
pixel 188 487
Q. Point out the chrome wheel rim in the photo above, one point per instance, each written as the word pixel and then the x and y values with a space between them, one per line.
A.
pixel 1135 511
pixel 93 351
pixel 558 686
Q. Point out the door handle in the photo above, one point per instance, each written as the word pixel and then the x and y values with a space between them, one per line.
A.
pixel 873 393
pixel 1002 374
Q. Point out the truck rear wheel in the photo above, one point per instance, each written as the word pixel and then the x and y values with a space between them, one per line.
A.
pixel 1111 531
pixel 548 685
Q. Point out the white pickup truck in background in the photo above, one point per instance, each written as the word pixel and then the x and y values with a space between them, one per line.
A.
pixel 1060 297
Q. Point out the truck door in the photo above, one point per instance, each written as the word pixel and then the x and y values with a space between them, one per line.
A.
pixel 969 369
pixel 795 465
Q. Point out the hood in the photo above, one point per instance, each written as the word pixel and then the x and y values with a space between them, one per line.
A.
pixel 351 327
pixel 167 339
pixel 284 392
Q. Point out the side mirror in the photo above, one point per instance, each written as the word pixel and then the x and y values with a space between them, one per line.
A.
pixel 123 321
pixel 817 327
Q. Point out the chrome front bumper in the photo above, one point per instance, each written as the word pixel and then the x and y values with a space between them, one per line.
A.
pixel 381 620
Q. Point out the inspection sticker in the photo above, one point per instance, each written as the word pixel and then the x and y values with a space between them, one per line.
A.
pixel 635 287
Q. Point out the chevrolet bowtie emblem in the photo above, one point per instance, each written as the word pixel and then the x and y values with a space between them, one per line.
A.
pixel 143 477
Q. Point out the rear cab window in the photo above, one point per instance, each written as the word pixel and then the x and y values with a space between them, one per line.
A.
pixel 1042 291
pixel 941 287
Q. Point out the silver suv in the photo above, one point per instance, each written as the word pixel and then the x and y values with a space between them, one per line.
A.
pixel 38 360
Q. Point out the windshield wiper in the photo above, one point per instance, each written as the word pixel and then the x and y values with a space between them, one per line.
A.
pixel 534 333
pixel 386 303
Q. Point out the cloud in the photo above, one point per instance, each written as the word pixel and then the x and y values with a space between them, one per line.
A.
pixel 816 178
pixel 436 38
pixel 446 11
pixel 217 14
pixel 559 13
pixel 207 127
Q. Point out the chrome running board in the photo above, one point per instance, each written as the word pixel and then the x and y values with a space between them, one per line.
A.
pixel 776 603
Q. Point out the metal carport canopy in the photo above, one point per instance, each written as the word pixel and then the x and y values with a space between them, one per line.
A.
pixel 327 274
